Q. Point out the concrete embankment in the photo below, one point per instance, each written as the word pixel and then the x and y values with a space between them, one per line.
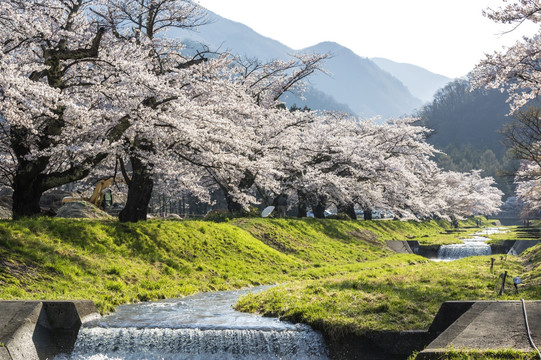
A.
pixel 396 345
pixel 458 325
pixel 37 330
pixel 489 325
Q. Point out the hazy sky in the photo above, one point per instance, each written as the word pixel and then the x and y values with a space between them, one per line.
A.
pixel 444 36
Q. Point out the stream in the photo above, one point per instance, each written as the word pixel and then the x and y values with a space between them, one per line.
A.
pixel 202 326
pixel 473 246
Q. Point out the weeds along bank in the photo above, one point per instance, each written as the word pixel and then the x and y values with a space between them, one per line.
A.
pixel 113 263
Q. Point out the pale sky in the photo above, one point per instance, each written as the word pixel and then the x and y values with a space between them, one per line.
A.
pixel 447 37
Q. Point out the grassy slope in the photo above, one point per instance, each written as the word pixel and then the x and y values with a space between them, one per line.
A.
pixel 399 292
pixel 341 277
pixel 427 232
pixel 113 263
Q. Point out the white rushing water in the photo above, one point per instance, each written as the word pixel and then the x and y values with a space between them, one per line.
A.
pixel 474 246
pixel 203 326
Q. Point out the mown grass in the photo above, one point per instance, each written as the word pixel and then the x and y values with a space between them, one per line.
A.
pixel 113 263
pixel 275 232
pixel 434 232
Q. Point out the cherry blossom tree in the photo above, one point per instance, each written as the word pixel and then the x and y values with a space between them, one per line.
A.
pixel 528 185
pixel 348 163
pixel 195 89
pixel 67 88
pixel 517 70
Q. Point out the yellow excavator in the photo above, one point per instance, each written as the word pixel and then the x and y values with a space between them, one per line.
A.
pixel 100 197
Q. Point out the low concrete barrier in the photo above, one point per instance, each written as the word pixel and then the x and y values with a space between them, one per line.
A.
pixel 487 325
pixel 36 330
pixel 521 245
pixel 401 247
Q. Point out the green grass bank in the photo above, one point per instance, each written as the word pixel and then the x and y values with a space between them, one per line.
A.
pixel 113 263
pixel 338 275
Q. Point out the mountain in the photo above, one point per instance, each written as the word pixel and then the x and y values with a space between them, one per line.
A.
pixel 226 35
pixel 422 83
pixel 459 116
pixel 355 83
pixel 467 126
pixel 361 84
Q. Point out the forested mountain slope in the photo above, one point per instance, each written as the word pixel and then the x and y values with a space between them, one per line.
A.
pixel 467 126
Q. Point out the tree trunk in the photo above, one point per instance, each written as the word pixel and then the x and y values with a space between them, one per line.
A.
pixel 28 179
pixel 232 205
pixel 302 205
pixel 139 188
pixel 280 206
pixel 27 190
pixel 348 209
pixel 367 214
pixel 244 185
pixel 319 210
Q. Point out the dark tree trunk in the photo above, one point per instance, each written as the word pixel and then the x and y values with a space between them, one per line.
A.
pixel 280 205
pixel 232 205
pixel 28 179
pixel 302 205
pixel 348 209
pixel 319 210
pixel 139 194
pixel 367 214
pixel 139 187
pixel 27 190
pixel 245 184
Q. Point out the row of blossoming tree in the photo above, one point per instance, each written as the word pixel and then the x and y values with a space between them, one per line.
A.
pixel 88 86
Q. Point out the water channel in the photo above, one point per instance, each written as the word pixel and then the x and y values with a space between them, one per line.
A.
pixel 473 246
pixel 202 326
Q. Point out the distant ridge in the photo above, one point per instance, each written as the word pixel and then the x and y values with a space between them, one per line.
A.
pixel 420 82
pixel 357 85
pixel 361 84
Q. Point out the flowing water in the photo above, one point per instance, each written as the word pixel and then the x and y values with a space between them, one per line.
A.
pixel 202 326
pixel 473 246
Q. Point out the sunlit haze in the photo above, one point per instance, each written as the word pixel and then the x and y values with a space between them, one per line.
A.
pixel 445 37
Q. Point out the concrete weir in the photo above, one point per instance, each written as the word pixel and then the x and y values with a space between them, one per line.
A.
pixel 511 247
pixel 38 330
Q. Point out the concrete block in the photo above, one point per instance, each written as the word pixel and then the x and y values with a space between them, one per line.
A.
pixel 33 330
pixel 4 354
pixel 489 325
pixel 19 322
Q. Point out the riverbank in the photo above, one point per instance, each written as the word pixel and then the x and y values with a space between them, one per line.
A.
pixel 400 292
pixel 342 278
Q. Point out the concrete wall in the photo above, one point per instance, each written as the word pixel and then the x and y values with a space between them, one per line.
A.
pixel 38 330
pixel 487 325
pixel 521 245
pixel 401 247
